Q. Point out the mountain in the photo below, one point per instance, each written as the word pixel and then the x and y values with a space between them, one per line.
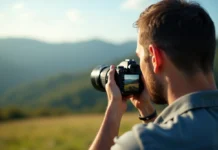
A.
pixel 27 60
pixel 71 92
pixel 68 91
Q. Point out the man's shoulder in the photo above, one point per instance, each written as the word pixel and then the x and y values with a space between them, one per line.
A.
pixel 178 133
pixel 143 136
pixel 156 136
pixel 196 126
pixel 127 141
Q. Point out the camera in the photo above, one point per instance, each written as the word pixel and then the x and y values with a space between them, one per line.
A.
pixel 127 76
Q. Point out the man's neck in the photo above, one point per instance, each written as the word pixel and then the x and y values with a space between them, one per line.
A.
pixel 181 85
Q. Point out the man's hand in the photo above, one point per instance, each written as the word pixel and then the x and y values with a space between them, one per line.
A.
pixel 118 103
pixel 115 99
pixel 143 103
pixel 111 123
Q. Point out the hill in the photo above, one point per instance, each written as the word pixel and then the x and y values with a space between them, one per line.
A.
pixel 64 91
pixel 67 92
pixel 27 60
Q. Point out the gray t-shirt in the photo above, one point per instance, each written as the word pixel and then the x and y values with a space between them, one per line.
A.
pixel 190 123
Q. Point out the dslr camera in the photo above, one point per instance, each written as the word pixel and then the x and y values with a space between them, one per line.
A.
pixel 127 76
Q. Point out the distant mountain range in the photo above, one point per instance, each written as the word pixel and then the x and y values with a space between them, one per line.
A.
pixel 71 90
pixel 27 60
pixel 65 92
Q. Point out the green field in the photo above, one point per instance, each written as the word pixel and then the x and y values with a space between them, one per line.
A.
pixel 131 87
pixel 74 132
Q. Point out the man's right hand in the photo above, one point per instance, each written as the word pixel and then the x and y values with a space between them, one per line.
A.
pixel 143 103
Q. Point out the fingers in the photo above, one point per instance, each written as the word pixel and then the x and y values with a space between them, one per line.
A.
pixel 128 97
pixel 110 81
pixel 111 74
pixel 135 97
pixel 113 91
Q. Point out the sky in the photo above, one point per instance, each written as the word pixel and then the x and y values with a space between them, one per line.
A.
pixel 58 21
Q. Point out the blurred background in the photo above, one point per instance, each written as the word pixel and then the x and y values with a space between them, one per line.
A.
pixel 47 52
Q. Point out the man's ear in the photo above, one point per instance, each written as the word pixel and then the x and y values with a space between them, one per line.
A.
pixel 156 58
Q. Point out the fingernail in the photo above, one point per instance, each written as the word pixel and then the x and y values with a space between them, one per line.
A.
pixel 112 67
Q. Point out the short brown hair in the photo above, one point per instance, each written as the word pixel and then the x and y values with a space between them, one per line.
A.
pixel 183 30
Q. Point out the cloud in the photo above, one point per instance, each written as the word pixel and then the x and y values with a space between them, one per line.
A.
pixel 73 15
pixel 29 23
pixel 18 6
pixel 134 4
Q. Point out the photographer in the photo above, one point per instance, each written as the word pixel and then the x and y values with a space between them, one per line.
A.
pixel 176 47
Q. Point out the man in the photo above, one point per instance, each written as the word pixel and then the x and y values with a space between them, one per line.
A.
pixel 176 48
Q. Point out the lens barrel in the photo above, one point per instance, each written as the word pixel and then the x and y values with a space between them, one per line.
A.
pixel 99 77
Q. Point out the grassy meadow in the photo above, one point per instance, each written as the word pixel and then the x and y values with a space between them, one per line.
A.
pixel 75 132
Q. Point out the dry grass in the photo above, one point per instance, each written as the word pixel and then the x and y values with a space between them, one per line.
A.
pixel 65 133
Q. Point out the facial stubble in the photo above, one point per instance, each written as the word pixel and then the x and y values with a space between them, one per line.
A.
pixel 154 86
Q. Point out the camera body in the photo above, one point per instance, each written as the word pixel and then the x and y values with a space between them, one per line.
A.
pixel 128 77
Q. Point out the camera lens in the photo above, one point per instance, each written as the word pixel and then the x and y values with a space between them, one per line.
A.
pixel 127 77
pixel 99 77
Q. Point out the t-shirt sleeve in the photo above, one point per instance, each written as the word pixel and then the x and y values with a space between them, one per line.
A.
pixel 149 137
pixel 126 142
